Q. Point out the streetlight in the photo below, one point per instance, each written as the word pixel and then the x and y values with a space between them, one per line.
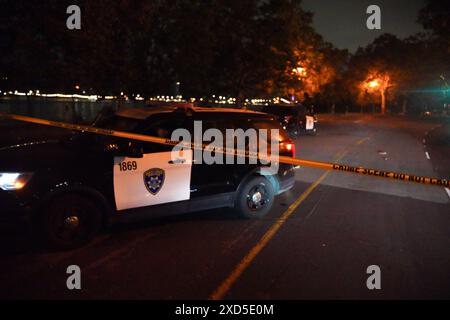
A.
pixel 380 84
pixel 373 84
pixel 300 72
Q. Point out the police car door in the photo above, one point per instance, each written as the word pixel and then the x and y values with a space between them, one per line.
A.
pixel 154 179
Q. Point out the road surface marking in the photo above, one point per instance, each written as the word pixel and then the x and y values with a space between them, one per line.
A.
pixel 448 191
pixel 226 285
pixel 428 155
pixel 338 155
pixel 362 141
pixel 243 265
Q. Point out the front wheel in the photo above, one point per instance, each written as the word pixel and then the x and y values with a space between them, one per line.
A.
pixel 69 221
pixel 255 199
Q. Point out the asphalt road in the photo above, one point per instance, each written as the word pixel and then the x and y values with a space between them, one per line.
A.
pixel 316 243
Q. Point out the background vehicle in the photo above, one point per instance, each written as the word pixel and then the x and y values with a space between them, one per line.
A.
pixel 70 188
pixel 295 118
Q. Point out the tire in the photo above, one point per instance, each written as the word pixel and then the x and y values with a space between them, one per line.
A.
pixel 249 204
pixel 69 221
pixel 296 132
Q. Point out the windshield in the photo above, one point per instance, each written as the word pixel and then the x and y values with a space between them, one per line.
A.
pixel 111 122
pixel 119 123
pixel 269 125
pixel 280 111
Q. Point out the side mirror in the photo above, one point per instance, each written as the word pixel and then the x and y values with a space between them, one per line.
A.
pixel 130 149
pixel 134 149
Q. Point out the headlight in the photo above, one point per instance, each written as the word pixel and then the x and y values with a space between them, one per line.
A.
pixel 14 180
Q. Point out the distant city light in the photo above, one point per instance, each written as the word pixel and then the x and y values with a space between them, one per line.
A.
pixel 224 100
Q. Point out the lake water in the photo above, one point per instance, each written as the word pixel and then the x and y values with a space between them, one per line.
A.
pixel 60 109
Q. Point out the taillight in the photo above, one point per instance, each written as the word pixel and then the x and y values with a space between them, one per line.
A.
pixel 288 147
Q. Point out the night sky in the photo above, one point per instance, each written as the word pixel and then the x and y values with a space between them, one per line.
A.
pixel 343 22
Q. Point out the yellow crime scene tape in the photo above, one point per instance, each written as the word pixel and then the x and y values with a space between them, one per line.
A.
pixel 236 152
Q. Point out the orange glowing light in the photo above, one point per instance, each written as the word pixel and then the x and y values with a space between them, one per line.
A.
pixel 299 71
pixel 373 84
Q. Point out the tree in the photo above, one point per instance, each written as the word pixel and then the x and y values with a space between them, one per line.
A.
pixel 39 50
pixel 379 72
pixel 435 16
pixel 228 47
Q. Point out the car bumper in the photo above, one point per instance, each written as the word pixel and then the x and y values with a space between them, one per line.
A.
pixel 12 210
pixel 286 179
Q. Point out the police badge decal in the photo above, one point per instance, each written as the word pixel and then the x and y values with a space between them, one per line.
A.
pixel 154 180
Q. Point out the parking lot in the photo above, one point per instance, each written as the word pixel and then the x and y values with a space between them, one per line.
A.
pixel 316 243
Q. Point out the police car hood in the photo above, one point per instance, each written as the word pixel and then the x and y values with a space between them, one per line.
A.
pixel 31 155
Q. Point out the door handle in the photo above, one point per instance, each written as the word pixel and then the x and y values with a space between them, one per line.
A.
pixel 177 161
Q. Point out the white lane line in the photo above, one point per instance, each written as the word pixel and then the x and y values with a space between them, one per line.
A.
pixel 424 141
pixel 428 155
pixel 448 191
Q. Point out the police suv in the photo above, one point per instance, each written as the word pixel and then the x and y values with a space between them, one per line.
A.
pixel 294 118
pixel 69 188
